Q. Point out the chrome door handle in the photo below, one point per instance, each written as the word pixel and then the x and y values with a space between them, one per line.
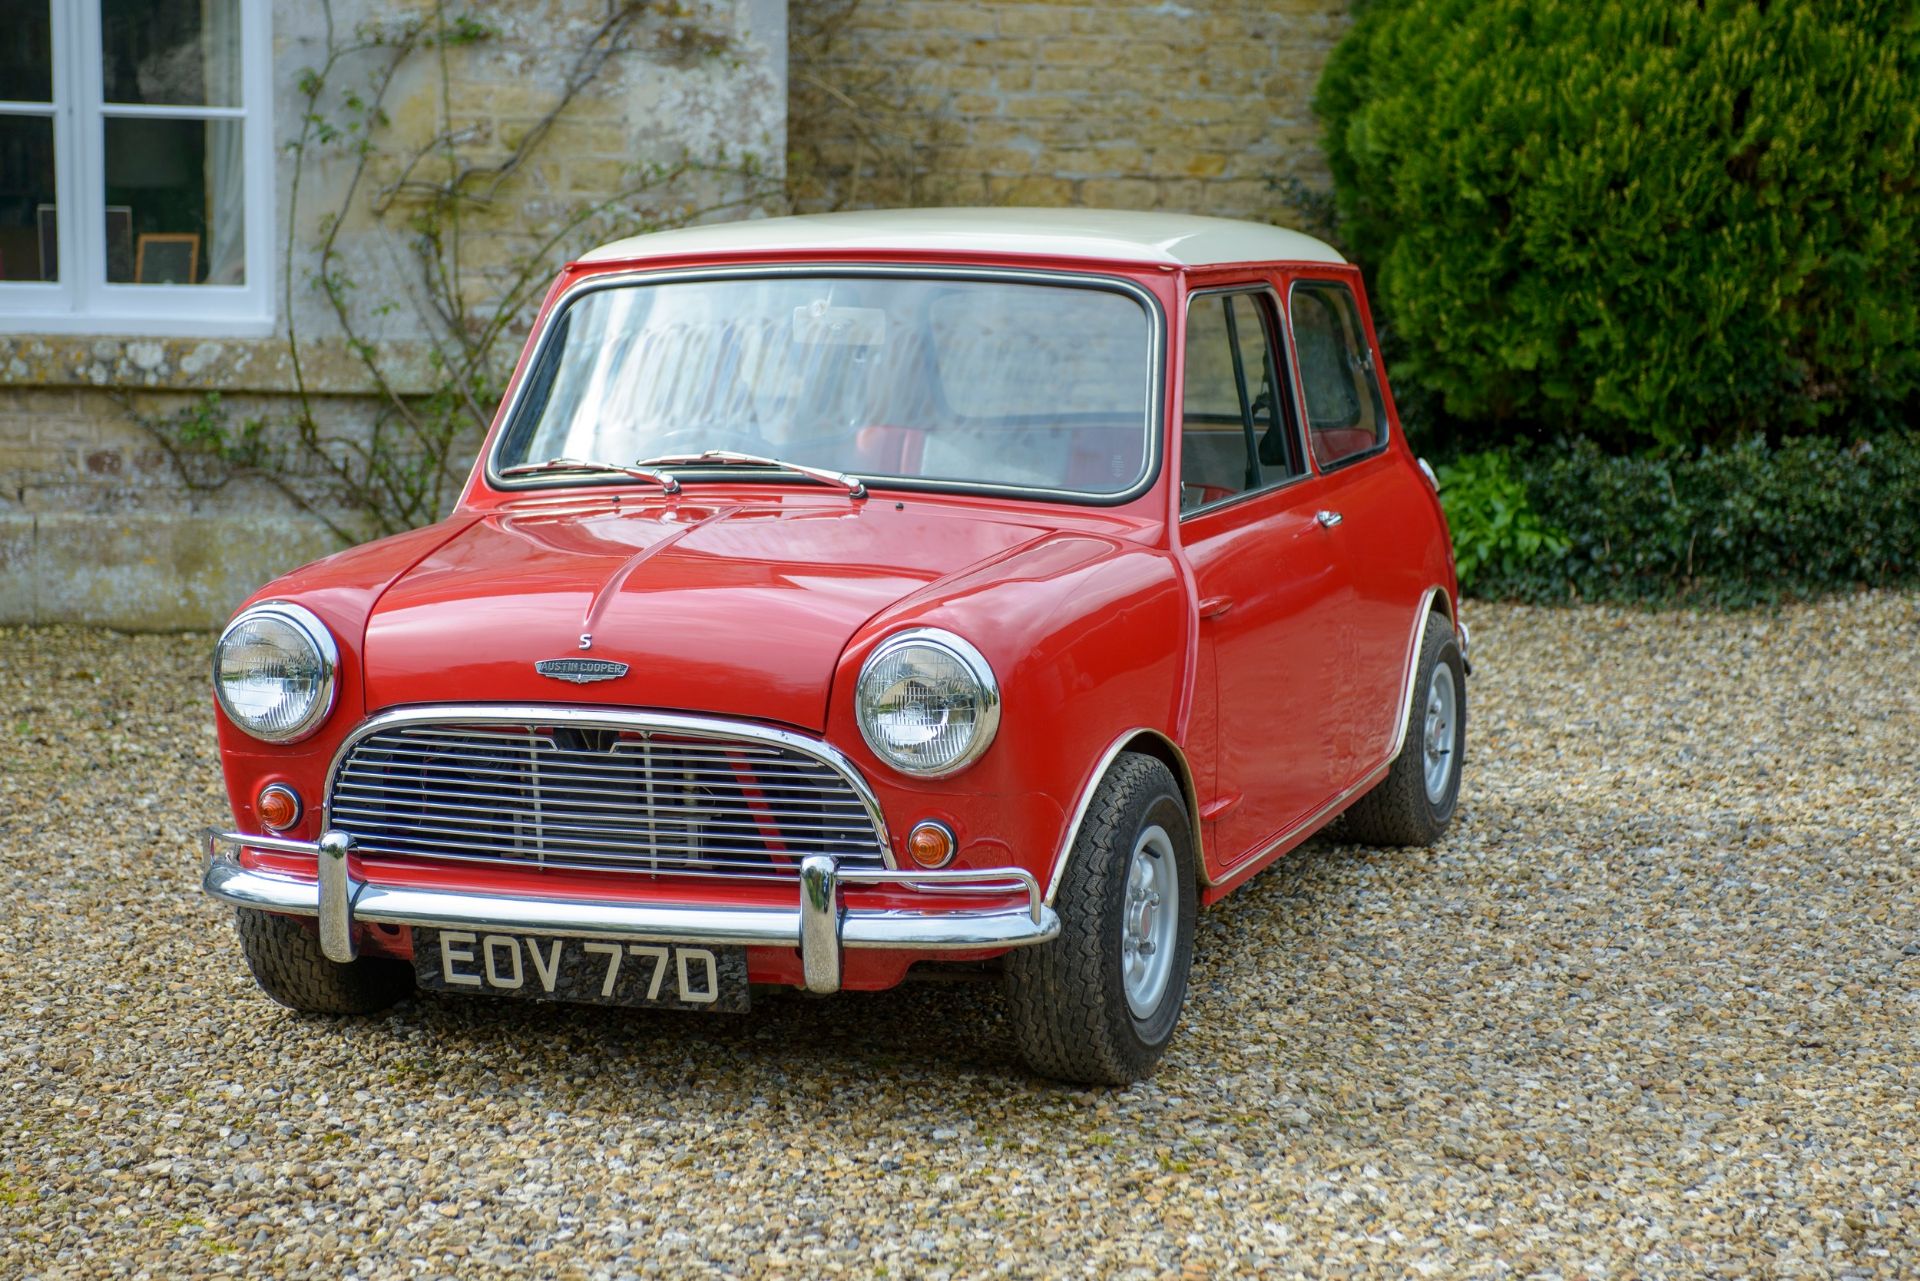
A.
pixel 1328 519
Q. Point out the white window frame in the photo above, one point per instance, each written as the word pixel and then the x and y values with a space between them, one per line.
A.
pixel 81 301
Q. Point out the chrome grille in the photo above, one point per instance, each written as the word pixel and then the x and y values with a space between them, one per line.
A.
pixel 631 798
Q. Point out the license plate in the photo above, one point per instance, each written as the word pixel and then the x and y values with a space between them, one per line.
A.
pixel 672 976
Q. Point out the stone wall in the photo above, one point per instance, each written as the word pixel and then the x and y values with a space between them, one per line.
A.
pixel 102 521
pixel 1195 105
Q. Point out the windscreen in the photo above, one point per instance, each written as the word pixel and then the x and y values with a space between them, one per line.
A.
pixel 971 381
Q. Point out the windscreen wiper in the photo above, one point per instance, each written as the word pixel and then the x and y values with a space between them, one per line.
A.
pixel 640 470
pixel 852 484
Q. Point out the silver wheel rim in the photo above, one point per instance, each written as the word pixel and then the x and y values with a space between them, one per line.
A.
pixel 1442 709
pixel 1151 915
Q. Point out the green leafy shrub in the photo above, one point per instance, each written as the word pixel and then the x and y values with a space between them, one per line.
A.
pixel 1638 220
pixel 1494 524
pixel 1743 525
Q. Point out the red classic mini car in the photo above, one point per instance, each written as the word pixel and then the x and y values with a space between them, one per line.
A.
pixel 981 590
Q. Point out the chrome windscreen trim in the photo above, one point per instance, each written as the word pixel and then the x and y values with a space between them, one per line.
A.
pixel 1157 349
pixel 615 719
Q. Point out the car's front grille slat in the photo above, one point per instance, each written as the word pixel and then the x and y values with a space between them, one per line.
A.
pixel 623 796
pixel 572 771
pixel 757 818
pixel 616 762
pixel 745 871
pixel 556 826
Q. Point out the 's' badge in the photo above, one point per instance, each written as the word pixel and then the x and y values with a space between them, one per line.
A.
pixel 580 671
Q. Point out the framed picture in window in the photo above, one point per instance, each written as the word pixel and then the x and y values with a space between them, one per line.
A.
pixel 167 258
pixel 119 242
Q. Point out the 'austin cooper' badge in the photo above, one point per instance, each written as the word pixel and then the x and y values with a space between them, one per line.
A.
pixel 581 671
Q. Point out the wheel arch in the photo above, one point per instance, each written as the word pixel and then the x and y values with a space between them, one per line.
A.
pixel 1142 742
pixel 1443 604
pixel 1435 601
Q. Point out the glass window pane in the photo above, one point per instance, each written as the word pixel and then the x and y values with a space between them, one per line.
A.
pixel 951 380
pixel 175 201
pixel 29 242
pixel 993 346
pixel 26 52
pixel 1345 412
pixel 1234 408
pixel 172 52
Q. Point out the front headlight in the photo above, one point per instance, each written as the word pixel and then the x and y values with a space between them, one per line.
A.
pixel 273 672
pixel 927 703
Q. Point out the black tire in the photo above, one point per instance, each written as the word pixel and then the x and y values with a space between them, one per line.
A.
pixel 1067 998
pixel 1398 810
pixel 287 963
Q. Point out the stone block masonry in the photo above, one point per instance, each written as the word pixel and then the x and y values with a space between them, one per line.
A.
pixel 99 525
pixel 1194 105
pixel 1202 106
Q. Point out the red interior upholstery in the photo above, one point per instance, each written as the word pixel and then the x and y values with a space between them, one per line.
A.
pixel 1095 456
pixel 1094 460
pixel 1331 444
pixel 895 451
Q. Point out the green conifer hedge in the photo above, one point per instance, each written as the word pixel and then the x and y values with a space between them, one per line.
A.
pixel 1641 221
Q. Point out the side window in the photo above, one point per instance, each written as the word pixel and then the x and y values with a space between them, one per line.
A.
pixel 1236 422
pixel 1345 414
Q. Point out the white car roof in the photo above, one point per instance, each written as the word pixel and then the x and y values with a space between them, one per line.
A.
pixel 1161 239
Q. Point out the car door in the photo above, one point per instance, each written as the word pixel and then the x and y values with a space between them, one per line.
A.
pixel 1371 490
pixel 1266 573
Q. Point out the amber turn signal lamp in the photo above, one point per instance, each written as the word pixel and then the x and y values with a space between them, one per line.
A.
pixel 930 844
pixel 279 807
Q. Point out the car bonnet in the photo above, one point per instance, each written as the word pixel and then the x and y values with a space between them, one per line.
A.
pixel 728 609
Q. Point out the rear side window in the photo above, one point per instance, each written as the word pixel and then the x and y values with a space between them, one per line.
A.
pixel 1346 416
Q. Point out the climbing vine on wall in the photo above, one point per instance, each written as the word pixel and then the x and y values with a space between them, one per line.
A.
pixel 429 201
pixel 860 131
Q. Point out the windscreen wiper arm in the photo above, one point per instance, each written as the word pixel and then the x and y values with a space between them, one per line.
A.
pixel 639 470
pixel 852 484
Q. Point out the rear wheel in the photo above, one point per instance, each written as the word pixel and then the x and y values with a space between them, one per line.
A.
pixel 1415 802
pixel 287 962
pixel 1099 1003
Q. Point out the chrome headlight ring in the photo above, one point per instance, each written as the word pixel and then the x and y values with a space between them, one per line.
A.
pixel 307 668
pixel 927 702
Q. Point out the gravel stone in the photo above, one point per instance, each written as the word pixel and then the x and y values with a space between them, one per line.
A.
pixel 1651 1009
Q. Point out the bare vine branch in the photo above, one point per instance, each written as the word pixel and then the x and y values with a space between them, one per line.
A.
pixel 399 469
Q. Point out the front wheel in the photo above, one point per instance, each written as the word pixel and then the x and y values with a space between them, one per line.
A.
pixel 287 962
pixel 1099 1003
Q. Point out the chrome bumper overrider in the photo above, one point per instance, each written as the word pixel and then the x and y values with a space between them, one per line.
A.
pixel 818 923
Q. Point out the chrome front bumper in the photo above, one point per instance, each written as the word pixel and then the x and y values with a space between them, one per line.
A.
pixel 818 923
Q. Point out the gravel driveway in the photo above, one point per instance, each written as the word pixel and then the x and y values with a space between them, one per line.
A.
pixel 1652 1010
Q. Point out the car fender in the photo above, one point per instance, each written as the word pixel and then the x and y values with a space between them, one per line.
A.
pixel 1088 636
